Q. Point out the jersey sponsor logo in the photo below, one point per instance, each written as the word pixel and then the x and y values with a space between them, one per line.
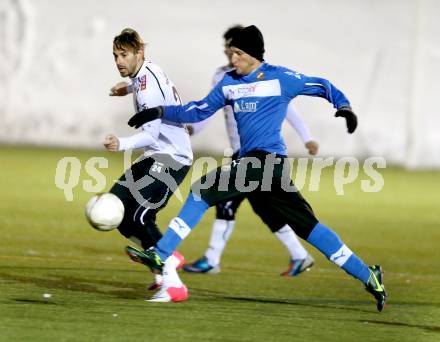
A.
pixel 250 89
pixel 247 90
pixel 294 74
pixel 245 106
pixel 256 89
pixel 142 82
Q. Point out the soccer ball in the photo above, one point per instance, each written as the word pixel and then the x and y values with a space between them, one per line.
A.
pixel 104 211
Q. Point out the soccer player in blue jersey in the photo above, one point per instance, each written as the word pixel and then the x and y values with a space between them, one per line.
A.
pixel 258 93
pixel 224 224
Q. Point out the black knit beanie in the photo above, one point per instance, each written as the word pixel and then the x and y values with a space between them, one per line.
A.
pixel 250 40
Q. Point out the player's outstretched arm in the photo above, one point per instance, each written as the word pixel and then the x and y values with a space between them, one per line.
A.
pixel 316 86
pixel 145 116
pixel 146 137
pixel 195 111
pixel 113 143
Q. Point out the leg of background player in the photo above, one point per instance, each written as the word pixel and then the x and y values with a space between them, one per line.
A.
pixel 300 259
pixel 221 232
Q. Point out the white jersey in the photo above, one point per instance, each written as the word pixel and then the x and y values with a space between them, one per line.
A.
pixel 152 88
pixel 292 117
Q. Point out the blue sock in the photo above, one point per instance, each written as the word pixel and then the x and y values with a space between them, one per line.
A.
pixel 329 243
pixel 180 226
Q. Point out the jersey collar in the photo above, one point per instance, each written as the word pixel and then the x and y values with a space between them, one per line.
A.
pixel 255 72
pixel 142 66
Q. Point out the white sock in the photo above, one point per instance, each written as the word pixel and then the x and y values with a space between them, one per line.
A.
pixel 221 232
pixel 289 239
pixel 173 261
pixel 158 278
pixel 169 273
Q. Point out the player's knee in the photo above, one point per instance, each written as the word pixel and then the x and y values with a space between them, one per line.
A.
pixel 142 216
pixel 126 230
pixel 303 231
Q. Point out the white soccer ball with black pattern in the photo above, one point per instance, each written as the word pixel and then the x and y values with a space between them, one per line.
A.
pixel 104 211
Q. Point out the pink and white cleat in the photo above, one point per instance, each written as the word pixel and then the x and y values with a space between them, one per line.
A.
pixel 170 294
pixel 180 258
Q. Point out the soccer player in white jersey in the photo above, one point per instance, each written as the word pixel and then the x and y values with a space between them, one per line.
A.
pixel 148 184
pixel 223 226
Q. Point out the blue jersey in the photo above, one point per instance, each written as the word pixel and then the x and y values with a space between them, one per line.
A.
pixel 259 101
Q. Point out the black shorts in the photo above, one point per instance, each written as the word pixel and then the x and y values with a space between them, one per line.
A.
pixel 264 179
pixel 145 188
pixel 227 210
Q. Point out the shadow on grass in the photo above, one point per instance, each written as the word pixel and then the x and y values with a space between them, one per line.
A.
pixel 317 303
pixel 33 301
pixel 131 290
pixel 127 290
pixel 328 304
pixel 307 301
pixel 400 324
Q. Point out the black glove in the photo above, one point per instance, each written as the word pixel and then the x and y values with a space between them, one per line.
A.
pixel 145 115
pixel 350 118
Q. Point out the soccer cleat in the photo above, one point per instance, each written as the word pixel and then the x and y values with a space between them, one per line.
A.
pixel 297 266
pixel 170 294
pixel 180 258
pixel 148 257
pixel 201 266
pixel 375 286
pixel 158 281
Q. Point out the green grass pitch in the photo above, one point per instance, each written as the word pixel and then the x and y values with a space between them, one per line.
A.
pixel 98 293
